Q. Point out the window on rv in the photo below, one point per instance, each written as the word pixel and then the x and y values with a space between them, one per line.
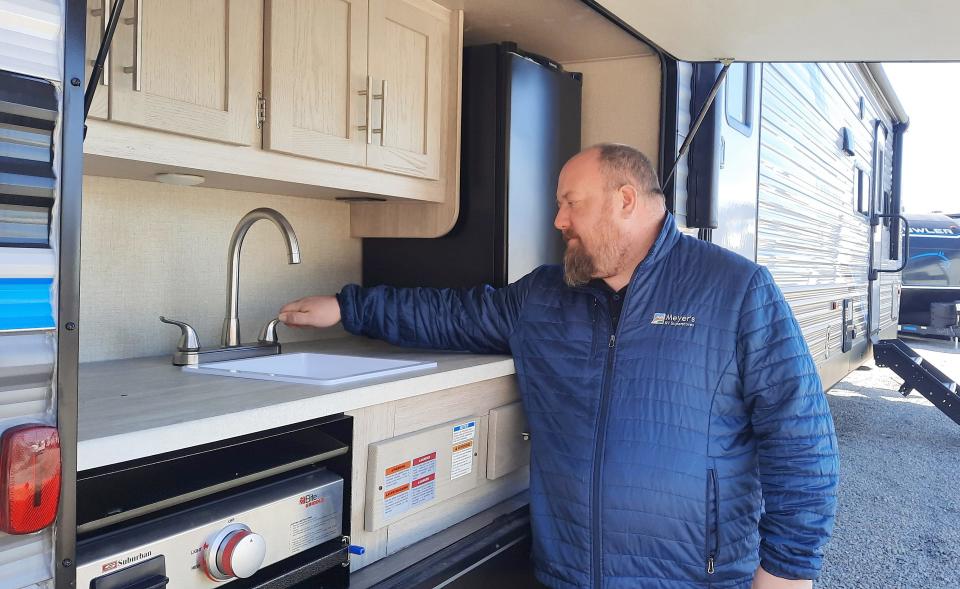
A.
pixel 878 205
pixel 860 185
pixel 738 97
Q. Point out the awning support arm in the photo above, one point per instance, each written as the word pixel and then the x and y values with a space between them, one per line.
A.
pixel 97 70
pixel 703 113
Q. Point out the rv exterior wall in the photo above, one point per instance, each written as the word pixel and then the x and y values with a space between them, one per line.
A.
pixel 37 25
pixel 27 360
pixel 152 249
pixel 809 231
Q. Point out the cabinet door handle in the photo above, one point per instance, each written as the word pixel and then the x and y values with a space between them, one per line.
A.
pixel 383 110
pixel 105 14
pixel 369 108
pixel 137 22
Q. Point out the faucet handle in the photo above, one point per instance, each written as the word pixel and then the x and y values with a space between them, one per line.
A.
pixel 268 335
pixel 189 342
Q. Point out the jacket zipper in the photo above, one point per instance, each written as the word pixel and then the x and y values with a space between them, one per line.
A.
pixel 713 532
pixel 598 456
pixel 594 318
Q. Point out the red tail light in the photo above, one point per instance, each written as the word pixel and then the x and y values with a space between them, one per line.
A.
pixel 29 478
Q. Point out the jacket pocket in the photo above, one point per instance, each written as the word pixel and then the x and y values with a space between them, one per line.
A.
pixel 712 523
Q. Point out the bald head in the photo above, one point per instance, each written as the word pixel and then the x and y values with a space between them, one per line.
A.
pixel 609 208
pixel 624 165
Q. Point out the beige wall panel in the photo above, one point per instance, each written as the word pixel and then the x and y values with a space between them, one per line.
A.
pixel 370 425
pixel 621 102
pixel 151 249
pixel 417 413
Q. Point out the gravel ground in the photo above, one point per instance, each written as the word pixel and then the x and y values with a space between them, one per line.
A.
pixel 898 517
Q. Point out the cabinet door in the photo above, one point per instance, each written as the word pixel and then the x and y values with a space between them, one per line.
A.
pixel 407 45
pixel 98 15
pixel 188 66
pixel 316 67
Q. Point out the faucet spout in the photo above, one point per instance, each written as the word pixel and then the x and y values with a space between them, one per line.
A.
pixel 231 324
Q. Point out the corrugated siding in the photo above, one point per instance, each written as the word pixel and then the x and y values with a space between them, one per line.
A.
pixel 30 45
pixel 25 561
pixel 808 230
pixel 26 369
pixel 30 37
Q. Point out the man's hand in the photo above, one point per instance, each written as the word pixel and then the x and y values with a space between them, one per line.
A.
pixel 321 311
pixel 764 580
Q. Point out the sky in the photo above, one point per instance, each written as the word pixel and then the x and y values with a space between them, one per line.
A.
pixel 931 155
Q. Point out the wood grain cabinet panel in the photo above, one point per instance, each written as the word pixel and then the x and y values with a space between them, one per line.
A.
pixel 407 45
pixel 171 75
pixel 97 19
pixel 316 65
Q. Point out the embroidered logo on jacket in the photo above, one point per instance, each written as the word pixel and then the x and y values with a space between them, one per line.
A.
pixel 674 320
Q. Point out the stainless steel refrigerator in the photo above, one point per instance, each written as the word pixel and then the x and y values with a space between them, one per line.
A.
pixel 520 123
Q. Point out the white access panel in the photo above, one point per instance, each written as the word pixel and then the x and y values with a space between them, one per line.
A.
pixel 410 473
pixel 508 444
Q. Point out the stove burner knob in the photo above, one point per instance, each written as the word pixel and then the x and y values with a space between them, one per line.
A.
pixel 233 552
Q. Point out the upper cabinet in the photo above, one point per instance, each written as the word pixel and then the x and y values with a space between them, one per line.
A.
pixel 188 66
pixel 406 66
pixel 357 82
pixel 321 98
pixel 316 69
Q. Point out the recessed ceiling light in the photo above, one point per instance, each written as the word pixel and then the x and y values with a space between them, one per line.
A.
pixel 179 179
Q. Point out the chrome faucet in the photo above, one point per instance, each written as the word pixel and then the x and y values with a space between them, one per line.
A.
pixel 231 324
pixel 189 351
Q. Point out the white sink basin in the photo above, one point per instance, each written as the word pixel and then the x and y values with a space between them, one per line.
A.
pixel 310 368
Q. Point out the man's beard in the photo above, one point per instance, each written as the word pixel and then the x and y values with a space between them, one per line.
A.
pixel 580 266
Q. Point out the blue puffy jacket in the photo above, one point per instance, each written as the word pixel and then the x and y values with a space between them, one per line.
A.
pixel 680 451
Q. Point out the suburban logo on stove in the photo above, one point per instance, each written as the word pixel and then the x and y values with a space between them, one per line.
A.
pixel 675 320
pixel 114 564
pixel 311 500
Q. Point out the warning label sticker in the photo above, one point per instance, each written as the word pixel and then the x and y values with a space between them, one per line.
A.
pixel 423 465
pixel 311 531
pixel 397 475
pixel 423 490
pixel 464 431
pixel 462 459
pixel 396 501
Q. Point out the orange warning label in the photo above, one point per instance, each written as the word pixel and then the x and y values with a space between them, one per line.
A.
pixel 397 491
pixel 397 468
pixel 463 446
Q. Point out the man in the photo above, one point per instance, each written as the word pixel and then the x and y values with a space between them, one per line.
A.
pixel 680 433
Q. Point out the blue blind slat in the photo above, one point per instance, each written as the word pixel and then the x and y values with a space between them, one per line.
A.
pixel 26 303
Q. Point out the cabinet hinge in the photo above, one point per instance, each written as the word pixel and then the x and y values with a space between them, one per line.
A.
pixel 261 110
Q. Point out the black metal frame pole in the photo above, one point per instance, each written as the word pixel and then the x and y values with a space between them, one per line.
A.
pixel 68 312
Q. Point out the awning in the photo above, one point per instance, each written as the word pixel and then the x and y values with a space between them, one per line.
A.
pixel 796 30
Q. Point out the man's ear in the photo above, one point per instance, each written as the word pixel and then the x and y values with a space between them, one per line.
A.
pixel 628 199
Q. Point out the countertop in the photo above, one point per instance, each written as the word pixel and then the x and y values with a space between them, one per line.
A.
pixel 139 407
